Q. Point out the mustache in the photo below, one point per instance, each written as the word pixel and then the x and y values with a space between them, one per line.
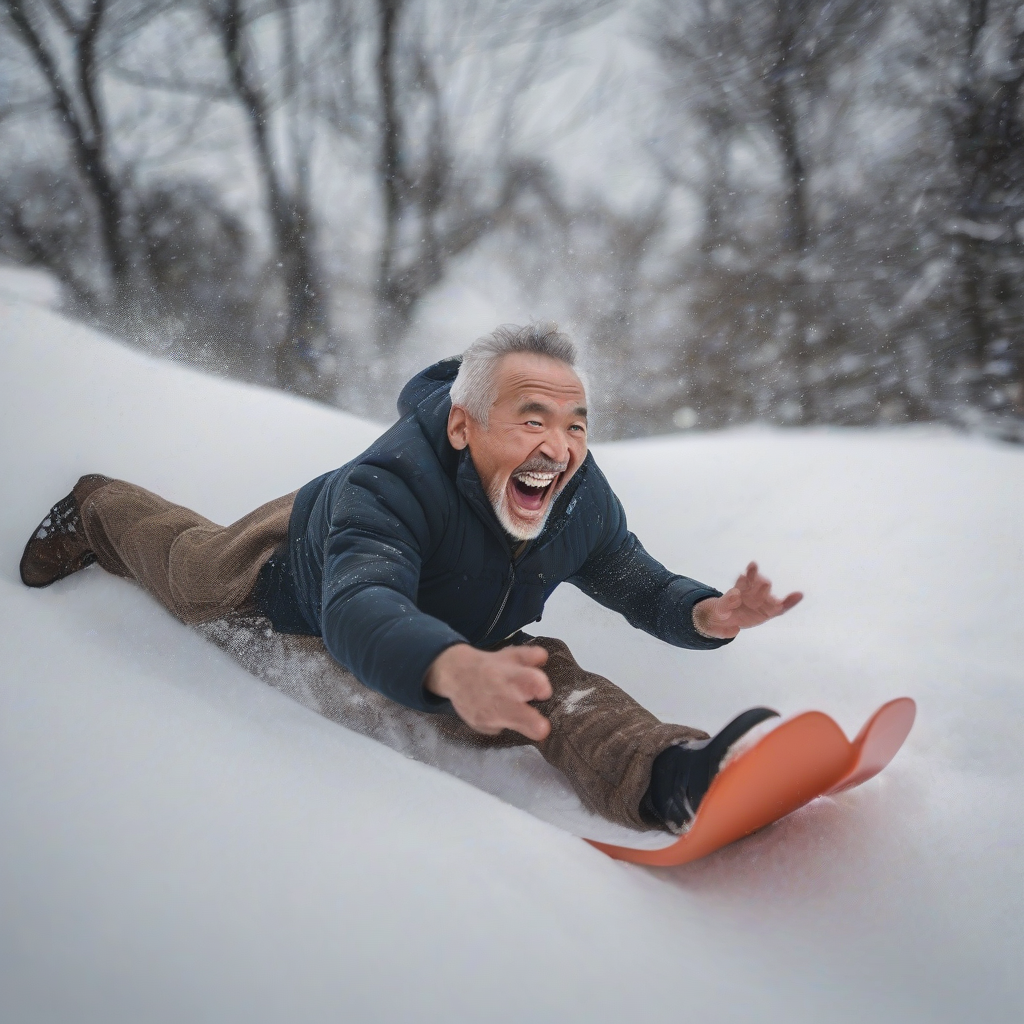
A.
pixel 541 464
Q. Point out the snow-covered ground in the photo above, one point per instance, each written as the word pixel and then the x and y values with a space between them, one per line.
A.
pixel 179 841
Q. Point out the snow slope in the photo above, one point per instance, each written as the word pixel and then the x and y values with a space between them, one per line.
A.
pixel 179 841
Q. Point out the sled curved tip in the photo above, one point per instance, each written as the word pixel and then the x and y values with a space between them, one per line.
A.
pixel 802 758
pixel 878 742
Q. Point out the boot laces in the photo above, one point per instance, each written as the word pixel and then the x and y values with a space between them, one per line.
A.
pixel 62 520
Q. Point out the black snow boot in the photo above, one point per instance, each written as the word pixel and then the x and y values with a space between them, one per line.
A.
pixel 681 775
pixel 58 547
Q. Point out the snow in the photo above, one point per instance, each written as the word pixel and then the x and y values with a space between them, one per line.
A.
pixel 179 841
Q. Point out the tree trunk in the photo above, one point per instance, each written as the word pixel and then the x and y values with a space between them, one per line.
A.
pixel 86 132
pixel 795 231
pixel 393 306
pixel 296 359
pixel 794 204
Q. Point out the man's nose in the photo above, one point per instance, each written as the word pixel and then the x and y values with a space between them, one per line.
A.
pixel 555 446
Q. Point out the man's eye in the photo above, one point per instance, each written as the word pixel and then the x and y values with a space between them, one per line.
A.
pixel 533 423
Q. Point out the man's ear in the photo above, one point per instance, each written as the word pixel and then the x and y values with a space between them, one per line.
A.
pixel 458 428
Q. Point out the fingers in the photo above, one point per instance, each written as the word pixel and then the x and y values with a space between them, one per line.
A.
pixel 753 585
pixel 535 685
pixel 528 679
pixel 530 722
pixel 530 654
pixel 773 606
pixel 500 700
pixel 751 600
pixel 752 579
pixel 511 710
pixel 748 579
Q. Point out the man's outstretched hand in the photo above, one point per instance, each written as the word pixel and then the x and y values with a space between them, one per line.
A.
pixel 490 690
pixel 749 603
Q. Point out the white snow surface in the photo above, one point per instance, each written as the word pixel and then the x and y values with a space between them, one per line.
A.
pixel 180 841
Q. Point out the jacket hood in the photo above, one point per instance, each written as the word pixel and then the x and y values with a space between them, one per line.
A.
pixel 426 399
pixel 428 385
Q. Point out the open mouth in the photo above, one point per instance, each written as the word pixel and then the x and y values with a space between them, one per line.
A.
pixel 530 490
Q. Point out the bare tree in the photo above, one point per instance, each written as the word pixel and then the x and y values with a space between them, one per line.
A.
pixel 986 128
pixel 751 71
pixel 69 44
pixel 440 195
pixel 286 184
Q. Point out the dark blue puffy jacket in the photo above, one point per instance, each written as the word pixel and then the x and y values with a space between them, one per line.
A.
pixel 398 555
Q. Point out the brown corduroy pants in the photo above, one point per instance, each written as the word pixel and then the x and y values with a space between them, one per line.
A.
pixel 198 570
pixel 601 739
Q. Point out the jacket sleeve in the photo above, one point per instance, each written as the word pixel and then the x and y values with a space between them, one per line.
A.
pixel 621 575
pixel 372 560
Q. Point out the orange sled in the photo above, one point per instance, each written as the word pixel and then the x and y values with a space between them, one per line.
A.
pixel 803 758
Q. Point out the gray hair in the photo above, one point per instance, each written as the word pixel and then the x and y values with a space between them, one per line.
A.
pixel 474 386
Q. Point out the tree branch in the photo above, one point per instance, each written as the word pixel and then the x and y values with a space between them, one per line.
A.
pixel 201 90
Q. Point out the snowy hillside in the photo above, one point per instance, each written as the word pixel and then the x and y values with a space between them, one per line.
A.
pixel 181 842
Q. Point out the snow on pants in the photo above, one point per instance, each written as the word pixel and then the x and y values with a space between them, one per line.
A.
pixel 601 739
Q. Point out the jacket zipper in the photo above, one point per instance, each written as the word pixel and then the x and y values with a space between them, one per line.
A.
pixel 504 600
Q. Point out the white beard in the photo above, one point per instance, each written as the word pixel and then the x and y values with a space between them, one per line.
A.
pixel 499 502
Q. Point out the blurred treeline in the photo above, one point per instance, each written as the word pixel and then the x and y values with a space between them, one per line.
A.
pixel 830 228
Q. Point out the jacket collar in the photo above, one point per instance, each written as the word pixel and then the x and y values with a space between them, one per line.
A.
pixel 471 488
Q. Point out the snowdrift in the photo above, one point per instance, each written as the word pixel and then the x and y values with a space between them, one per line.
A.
pixel 180 841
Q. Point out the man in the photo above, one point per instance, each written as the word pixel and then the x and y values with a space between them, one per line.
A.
pixel 420 561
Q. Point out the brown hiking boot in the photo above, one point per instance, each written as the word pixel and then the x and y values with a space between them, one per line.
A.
pixel 58 546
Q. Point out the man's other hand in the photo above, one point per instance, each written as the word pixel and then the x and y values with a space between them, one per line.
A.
pixel 749 603
pixel 490 690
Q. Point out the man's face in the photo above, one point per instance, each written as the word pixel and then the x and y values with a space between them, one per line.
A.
pixel 535 439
